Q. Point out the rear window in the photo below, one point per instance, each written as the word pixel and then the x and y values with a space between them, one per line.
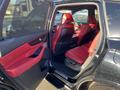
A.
pixel 59 16
pixel 81 17
pixel 113 18
pixel 24 17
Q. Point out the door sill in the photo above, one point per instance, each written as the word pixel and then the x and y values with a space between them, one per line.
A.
pixel 55 81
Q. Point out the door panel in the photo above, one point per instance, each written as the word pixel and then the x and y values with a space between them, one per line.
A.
pixel 21 59
pixel 13 43
pixel 24 65
pixel 23 46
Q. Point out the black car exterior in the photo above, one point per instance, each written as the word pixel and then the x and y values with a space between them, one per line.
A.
pixel 27 58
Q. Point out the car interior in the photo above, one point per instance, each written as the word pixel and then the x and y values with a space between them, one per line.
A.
pixel 75 37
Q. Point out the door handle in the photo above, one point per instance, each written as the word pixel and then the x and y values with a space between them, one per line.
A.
pixel 32 49
pixel 39 49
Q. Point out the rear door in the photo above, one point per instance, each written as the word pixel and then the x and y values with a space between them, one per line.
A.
pixel 23 45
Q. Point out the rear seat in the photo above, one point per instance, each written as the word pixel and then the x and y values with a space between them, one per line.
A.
pixel 86 28
pixel 81 53
pixel 78 54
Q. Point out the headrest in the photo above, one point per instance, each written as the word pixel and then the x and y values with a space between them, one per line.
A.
pixel 67 18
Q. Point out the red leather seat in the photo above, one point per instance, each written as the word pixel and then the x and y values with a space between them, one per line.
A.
pixel 78 54
pixel 67 18
pixel 92 22
pixel 63 34
pixel 86 28
pixel 81 53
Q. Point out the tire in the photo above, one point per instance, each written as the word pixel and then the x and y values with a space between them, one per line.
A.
pixel 95 86
pixel 99 86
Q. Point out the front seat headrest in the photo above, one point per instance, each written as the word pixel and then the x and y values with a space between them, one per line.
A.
pixel 67 18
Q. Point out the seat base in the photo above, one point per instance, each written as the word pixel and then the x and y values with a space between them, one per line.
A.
pixel 72 64
pixel 78 54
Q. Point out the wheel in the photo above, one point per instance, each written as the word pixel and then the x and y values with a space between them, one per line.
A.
pixel 5 87
pixel 99 86
pixel 96 86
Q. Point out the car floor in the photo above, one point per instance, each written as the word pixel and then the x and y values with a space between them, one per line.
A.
pixel 60 67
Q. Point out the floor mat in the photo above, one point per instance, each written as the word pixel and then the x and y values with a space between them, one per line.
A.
pixel 61 67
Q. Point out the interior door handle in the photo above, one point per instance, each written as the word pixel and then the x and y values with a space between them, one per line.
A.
pixel 39 48
pixel 33 49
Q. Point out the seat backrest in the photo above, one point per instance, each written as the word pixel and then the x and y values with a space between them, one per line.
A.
pixel 86 28
pixel 92 22
pixel 64 31
pixel 94 44
pixel 67 18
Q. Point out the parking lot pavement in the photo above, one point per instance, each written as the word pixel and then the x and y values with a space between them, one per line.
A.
pixel 45 85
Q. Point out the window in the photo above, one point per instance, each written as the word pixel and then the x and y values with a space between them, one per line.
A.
pixel 1 1
pixel 24 17
pixel 113 17
pixel 59 15
pixel 81 17
pixel 58 18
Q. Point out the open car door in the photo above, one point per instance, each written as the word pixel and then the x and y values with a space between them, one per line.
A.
pixel 26 65
pixel 24 42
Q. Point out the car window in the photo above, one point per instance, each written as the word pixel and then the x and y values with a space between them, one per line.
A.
pixel 81 17
pixel 59 14
pixel 24 17
pixel 113 17
pixel 1 1
pixel 58 18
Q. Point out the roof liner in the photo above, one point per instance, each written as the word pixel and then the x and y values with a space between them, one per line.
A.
pixel 73 1
pixel 78 7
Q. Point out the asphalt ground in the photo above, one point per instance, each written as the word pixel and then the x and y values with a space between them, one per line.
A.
pixel 45 85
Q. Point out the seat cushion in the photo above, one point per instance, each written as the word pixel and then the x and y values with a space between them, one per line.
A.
pixel 78 54
pixel 81 53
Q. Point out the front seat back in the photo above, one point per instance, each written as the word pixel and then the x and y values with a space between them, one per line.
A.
pixel 63 34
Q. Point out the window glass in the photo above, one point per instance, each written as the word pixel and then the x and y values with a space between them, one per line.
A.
pixel 58 18
pixel 59 15
pixel 81 17
pixel 24 17
pixel 1 1
pixel 113 17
